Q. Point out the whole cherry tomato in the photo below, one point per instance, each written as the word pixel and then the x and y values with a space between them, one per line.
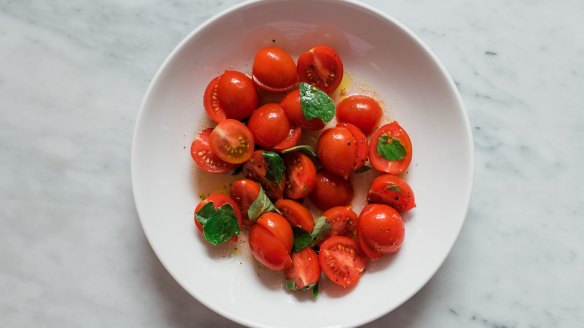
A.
pixel 274 70
pixel 230 95
pixel 362 111
pixel 269 125
pixel 380 230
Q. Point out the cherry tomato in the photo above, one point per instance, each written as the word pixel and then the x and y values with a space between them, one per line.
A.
pixel 341 261
pixel 256 169
pixel 291 140
pixel 393 191
pixel 230 95
pixel 269 125
pixel 232 141
pixel 297 214
pixel 380 230
pixel 244 192
pixel 322 67
pixel 362 145
pixel 300 175
pixel 274 70
pixel 331 190
pixel 270 240
pixel 218 201
pixel 293 108
pixel 394 131
pixel 343 221
pixel 305 269
pixel 204 156
pixel 342 149
pixel 362 111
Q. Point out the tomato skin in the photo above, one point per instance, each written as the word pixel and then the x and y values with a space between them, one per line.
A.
pixel 219 200
pixel 244 192
pixel 270 240
pixel 256 169
pixel 297 214
pixel 269 125
pixel 393 191
pixel 393 130
pixel 274 70
pixel 331 190
pixel 231 95
pixel 205 158
pixel 305 269
pixel 341 260
pixel 343 221
pixel 362 151
pixel 291 140
pixel 293 108
pixel 336 150
pixel 321 66
pixel 380 230
pixel 362 111
pixel 232 142
pixel 300 175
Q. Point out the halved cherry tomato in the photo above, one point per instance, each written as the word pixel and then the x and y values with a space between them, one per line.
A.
pixel 341 261
pixel 362 111
pixel 270 240
pixel 394 131
pixel 291 140
pixel 244 192
pixel 331 190
pixel 305 269
pixel 218 201
pixel 297 214
pixel 274 70
pixel 342 149
pixel 232 141
pixel 300 174
pixel 205 158
pixel 362 145
pixel 343 221
pixel 293 108
pixel 269 125
pixel 393 191
pixel 322 67
pixel 380 230
pixel 230 95
pixel 256 169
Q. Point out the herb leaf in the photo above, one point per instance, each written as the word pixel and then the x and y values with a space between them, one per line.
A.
pixel 315 103
pixel 260 205
pixel 315 290
pixel 392 150
pixel 205 213
pixel 394 188
pixel 303 239
pixel 306 149
pixel 276 167
pixel 221 225
pixel 290 284
pixel 363 169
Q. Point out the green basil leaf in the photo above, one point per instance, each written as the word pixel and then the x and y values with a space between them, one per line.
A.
pixel 276 166
pixel 290 284
pixel 306 149
pixel 363 169
pixel 394 188
pixel 205 213
pixel 316 104
pixel 320 230
pixel 315 290
pixel 221 226
pixel 260 205
pixel 302 239
pixel 391 150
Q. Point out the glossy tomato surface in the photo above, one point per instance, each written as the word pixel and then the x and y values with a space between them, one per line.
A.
pixel 205 158
pixel 270 240
pixel 293 108
pixel 337 149
pixel 231 95
pixel 362 111
pixel 331 190
pixel 232 141
pixel 291 140
pixel 297 214
pixel 274 70
pixel 321 66
pixel 269 125
pixel 244 192
pixel 257 169
pixel 362 149
pixel 300 175
pixel 380 230
pixel 393 191
pixel 343 221
pixel 393 131
pixel 218 201
pixel 341 261
pixel 305 269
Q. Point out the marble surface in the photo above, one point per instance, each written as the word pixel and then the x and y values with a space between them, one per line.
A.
pixel 72 76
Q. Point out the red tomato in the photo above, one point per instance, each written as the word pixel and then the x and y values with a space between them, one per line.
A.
pixel 204 156
pixel 256 169
pixel 270 240
pixel 393 191
pixel 218 201
pixel 341 261
pixel 362 111
pixel 244 192
pixel 230 95
pixel 297 214
pixel 300 175
pixel 269 125
pixel 305 269
pixel 343 221
pixel 291 140
pixel 322 67
pixel 274 70
pixel 293 108
pixel 331 190
pixel 393 131
pixel 342 149
pixel 380 230
pixel 232 141
pixel 362 145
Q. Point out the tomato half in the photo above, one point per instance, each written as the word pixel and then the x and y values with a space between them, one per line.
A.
pixel 293 108
pixel 300 175
pixel 274 70
pixel 342 149
pixel 232 141
pixel 393 131
pixel 205 158
pixel 341 261
pixel 380 230
pixel 256 169
pixel 230 95
pixel 219 200
pixel 393 191
pixel 362 151
pixel 270 240
pixel 321 66
pixel 297 214
pixel 269 125
pixel 362 111
pixel 305 269
pixel 343 221
pixel 244 192
pixel 291 140
pixel 331 190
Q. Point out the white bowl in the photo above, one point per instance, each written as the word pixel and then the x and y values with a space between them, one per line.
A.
pixel 381 54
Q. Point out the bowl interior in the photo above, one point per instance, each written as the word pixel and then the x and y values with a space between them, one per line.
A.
pixel 379 54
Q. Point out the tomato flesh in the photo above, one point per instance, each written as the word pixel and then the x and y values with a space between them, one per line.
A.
pixel 380 230
pixel 256 169
pixel 232 141
pixel 341 261
pixel 244 192
pixel 300 174
pixel 205 158
pixel 218 201
pixel 321 66
pixel 270 240
pixel 305 269
pixel 293 108
pixel 269 125
pixel 343 221
pixel 231 95
pixel 291 140
pixel 331 190
pixel 394 131
pixel 393 191
pixel 297 214
pixel 274 70
pixel 362 111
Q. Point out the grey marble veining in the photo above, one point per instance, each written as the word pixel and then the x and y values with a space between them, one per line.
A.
pixel 72 75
